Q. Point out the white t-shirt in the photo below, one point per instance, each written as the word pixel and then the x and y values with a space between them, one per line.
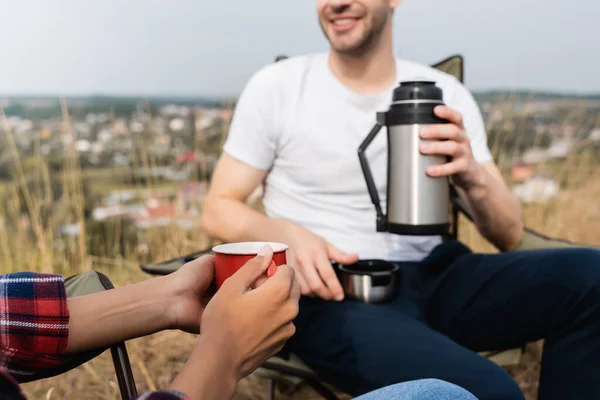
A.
pixel 295 119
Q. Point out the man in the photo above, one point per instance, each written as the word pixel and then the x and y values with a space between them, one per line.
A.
pixel 297 127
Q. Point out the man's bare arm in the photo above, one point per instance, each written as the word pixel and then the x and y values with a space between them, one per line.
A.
pixel 495 211
pixel 226 216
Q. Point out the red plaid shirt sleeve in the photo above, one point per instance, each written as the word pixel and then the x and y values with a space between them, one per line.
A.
pixel 34 322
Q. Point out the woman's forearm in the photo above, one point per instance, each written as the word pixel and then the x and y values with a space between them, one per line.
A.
pixel 102 319
pixel 209 374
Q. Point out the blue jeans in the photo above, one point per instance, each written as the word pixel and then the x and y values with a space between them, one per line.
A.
pixel 451 306
pixel 423 389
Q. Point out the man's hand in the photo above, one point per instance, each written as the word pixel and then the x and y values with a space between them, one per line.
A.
pixel 250 325
pixel 451 140
pixel 496 212
pixel 310 256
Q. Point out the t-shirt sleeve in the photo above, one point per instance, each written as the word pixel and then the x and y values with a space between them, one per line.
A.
pixel 253 132
pixel 462 101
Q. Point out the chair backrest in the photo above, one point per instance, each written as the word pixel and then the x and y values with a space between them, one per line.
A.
pixel 453 65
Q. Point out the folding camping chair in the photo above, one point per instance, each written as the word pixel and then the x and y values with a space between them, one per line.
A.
pixel 289 368
pixel 78 285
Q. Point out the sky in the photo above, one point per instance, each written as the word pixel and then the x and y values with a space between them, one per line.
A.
pixel 212 47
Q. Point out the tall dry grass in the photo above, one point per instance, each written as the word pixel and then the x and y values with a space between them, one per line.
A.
pixel 28 241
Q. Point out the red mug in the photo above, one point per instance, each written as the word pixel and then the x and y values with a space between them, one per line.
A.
pixel 230 257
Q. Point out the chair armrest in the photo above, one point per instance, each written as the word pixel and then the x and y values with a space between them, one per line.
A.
pixel 461 205
pixel 172 265
pixel 531 239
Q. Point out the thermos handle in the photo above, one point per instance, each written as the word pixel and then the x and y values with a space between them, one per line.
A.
pixel 366 169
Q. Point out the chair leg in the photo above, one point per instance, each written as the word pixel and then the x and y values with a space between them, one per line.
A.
pixel 123 371
pixel 120 357
pixel 271 389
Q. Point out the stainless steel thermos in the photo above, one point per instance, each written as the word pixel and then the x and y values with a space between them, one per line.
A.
pixel 417 204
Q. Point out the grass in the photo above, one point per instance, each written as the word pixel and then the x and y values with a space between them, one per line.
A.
pixel 28 241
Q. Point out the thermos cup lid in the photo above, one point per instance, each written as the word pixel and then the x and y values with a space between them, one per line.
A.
pixel 419 89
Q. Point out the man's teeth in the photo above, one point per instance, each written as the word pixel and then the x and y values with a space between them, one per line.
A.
pixel 345 21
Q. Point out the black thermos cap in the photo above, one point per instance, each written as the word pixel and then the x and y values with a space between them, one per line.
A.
pixel 417 90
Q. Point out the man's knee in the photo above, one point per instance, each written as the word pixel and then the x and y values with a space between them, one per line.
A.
pixel 576 268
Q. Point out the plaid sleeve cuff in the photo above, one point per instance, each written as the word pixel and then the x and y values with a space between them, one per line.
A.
pixel 163 395
pixel 34 322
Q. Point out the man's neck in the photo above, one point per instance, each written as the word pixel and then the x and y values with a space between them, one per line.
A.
pixel 366 74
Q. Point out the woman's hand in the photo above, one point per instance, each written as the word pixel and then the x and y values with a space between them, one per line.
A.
pixel 175 301
pixel 247 321
pixel 251 325
pixel 190 286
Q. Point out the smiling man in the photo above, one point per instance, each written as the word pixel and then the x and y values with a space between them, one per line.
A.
pixel 297 127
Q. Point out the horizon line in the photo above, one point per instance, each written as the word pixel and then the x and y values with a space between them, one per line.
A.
pixel 226 96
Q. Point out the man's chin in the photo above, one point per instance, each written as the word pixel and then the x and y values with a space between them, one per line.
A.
pixel 346 44
pixel 342 45
pixel 346 49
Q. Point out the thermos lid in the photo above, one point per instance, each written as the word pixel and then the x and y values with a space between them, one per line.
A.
pixel 420 89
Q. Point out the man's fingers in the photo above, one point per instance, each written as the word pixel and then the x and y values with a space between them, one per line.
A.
pixel 328 275
pixel 449 114
pixel 442 148
pixel 443 132
pixel 253 269
pixel 339 256
pixel 448 169
pixel 314 281
pixel 301 280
